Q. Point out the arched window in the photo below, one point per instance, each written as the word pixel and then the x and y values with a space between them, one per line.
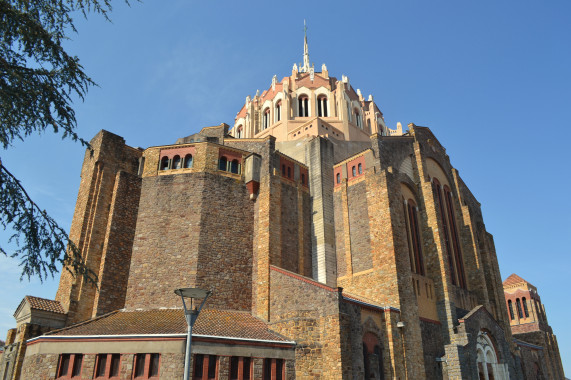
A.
pixel 354 171
pixel 348 111
pixel 176 164
pixel 288 172
pixel 188 161
pixel 322 106
pixel 239 132
pixel 369 125
pixel 283 170
pixel 358 119
pixel 302 179
pixel 266 119
pixel 278 111
pixel 524 301
pixel 338 177
pixel 223 163
pixel 303 106
pixel 518 306
pixel 235 167
pixel 164 163
pixel 511 309
pixel 413 237
pixel 360 167
pixel 451 240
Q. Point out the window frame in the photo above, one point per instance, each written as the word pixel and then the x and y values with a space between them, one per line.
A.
pixel 71 366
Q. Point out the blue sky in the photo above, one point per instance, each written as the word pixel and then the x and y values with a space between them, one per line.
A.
pixel 491 79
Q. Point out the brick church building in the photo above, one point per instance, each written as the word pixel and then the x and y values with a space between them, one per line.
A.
pixel 334 246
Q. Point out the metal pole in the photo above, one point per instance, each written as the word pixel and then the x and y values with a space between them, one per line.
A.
pixel 187 354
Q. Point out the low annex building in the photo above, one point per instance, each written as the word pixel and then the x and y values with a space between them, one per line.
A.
pixel 334 246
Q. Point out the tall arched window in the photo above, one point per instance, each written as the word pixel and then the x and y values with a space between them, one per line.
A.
pixel 223 163
pixel 239 132
pixel 354 171
pixel 369 125
pixel 235 167
pixel 322 106
pixel 360 167
pixel 413 235
pixel 524 302
pixel 338 177
pixel 283 170
pixel 278 111
pixel 303 106
pixel 288 172
pixel 511 309
pixel 451 240
pixel 366 361
pixel 188 161
pixel 266 119
pixel 176 163
pixel 164 163
pixel 518 307
pixel 302 179
pixel 358 119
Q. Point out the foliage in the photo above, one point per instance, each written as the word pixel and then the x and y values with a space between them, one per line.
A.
pixel 38 82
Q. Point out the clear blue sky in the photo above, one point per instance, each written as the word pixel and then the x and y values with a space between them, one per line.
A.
pixel 491 79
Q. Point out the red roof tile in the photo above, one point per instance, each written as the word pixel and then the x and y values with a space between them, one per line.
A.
pixel 45 304
pixel 513 280
pixel 211 322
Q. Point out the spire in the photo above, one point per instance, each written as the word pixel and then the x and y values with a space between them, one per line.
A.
pixel 305 67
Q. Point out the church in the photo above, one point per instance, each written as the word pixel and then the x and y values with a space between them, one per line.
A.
pixel 334 246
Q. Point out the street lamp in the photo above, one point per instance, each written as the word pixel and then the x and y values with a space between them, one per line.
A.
pixel 191 314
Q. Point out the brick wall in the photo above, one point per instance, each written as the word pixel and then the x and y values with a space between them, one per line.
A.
pixel 193 230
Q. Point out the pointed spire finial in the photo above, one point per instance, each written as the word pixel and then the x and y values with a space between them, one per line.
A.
pixel 306 66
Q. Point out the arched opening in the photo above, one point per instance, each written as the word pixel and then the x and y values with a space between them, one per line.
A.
pixel 283 170
pixel 288 172
pixel 518 307
pixel 302 179
pixel 164 163
pixel 223 163
pixel 176 162
pixel 487 358
pixel 188 161
pixel 235 167
pixel 239 132
pixel 338 177
pixel 360 168
pixel 358 119
pixel 354 171
pixel 278 111
pixel 322 106
pixel 511 310
pixel 303 106
pixel 525 311
pixel 266 119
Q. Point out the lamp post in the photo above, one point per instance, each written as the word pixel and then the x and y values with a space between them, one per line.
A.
pixel 191 314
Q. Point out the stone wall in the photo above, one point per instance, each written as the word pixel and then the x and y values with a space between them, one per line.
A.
pixel 193 230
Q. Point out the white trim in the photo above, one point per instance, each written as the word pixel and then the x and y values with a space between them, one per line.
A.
pixel 129 336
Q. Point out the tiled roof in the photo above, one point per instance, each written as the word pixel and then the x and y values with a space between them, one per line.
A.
pixel 513 280
pixel 218 323
pixel 45 304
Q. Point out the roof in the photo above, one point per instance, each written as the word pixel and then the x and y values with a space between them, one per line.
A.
pixel 513 280
pixel 211 322
pixel 38 303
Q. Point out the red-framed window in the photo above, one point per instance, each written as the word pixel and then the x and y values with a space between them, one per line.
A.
pixel 146 366
pixel 69 366
pixel 107 366
pixel 240 368
pixel 274 369
pixel 205 367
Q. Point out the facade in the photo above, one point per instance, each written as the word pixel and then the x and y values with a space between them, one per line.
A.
pixel 533 335
pixel 335 248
